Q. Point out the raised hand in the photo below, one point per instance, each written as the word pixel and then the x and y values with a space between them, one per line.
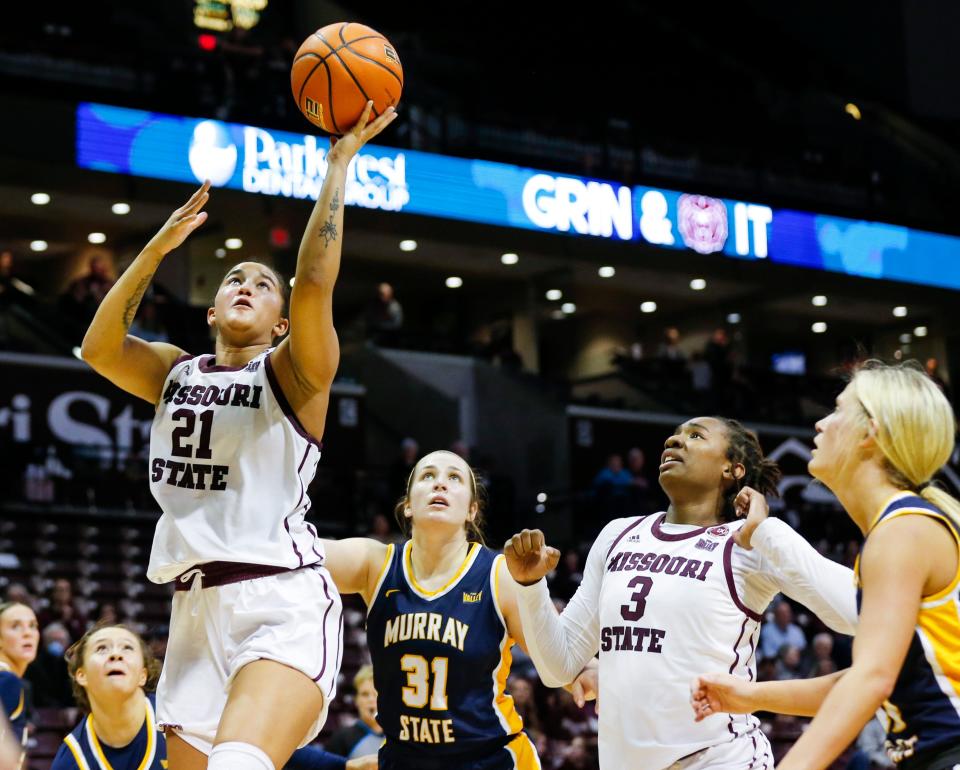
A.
pixel 182 222
pixel 529 558
pixel 343 148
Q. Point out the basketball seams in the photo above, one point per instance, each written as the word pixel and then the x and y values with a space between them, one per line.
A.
pixel 374 61
pixel 335 52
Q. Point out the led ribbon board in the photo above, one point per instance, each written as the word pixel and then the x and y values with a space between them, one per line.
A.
pixel 258 160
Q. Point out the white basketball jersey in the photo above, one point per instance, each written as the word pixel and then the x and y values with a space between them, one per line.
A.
pixel 670 609
pixel 230 464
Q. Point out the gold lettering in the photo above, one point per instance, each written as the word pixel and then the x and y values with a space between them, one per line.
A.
pixel 462 629
pixel 448 731
pixel 433 627
pixel 419 625
pixel 404 728
pixel 390 635
pixel 450 633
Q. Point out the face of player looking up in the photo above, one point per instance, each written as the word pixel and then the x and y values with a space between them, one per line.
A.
pixel 694 462
pixel 248 307
pixel 441 493
pixel 113 667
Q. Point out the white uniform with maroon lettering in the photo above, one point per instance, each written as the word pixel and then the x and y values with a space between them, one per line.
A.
pixel 230 464
pixel 663 603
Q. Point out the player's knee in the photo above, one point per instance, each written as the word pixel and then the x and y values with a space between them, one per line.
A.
pixel 235 755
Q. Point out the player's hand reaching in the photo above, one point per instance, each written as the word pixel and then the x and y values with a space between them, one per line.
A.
pixel 343 148
pixel 719 694
pixel 182 222
pixel 753 505
pixel 529 558
pixel 586 686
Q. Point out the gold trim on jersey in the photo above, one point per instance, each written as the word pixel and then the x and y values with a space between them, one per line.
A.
pixel 503 703
pixel 422 592
pixel 384 568
pixel 19 709
pixel 524 753
pixel 77 752
pixel 151 741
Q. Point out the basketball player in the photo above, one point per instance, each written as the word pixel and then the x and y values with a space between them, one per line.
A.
pixel 891 431
pixel 667 594
pixel 442 617
pixel 114 675
pixel 255 632
pixel 19 640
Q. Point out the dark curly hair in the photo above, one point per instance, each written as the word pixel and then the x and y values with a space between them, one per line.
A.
pixel 762 474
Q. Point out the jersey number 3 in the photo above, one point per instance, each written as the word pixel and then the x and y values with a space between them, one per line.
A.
pixel 418 690
pixel 635 610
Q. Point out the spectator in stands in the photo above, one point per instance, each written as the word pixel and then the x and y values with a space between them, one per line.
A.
pixel 365 736
pixel 612 487
pixel 822 662
pixel 717 354
pixel 19 639
pixel 48 673
pixel 18 593
pixel 568 576
pixel 462 448
pixel 639 484
pixel 782 631
pixel 871 748
pixel 84 294
pixel 788 663
pixel 701 376
pixel 11 287
pixel 669 348
pixel 578 756
pixel 384 317
pixel 402 465
pixel 381 530
pixel 63 607
pixel 932 368
pixel 107 616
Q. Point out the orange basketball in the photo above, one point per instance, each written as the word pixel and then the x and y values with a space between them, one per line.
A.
pixel 338 69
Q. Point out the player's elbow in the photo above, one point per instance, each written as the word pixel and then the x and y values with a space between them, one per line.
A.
pixel 877 683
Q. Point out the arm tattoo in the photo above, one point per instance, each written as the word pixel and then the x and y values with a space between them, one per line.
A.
pixel 134 302
pixel 328 232
pixel 335 203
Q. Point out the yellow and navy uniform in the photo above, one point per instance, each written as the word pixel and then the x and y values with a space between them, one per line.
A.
pixel 83 750
pixel 440 664
pixel 922 714
pixel 13 701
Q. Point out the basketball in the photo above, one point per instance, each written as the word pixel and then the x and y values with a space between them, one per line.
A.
pixel 338 69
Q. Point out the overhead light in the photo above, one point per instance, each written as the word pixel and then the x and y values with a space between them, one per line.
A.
pixel 819 327
pixel 852 110
pixel 540 508
pixel 541 497
pixel 733 318
pixel 899 311
pixel 120 208
pixel 920 331
pixel 454 282
pixel 698 284
pixel 898 354
pixel 220 253
pixel 38 245
pixel 648 307
pixel 568 308
pixel 408 245
pixel 40 199
pixel 509 259
pixel 819 300
pixel 233 243
pixel 97 238
pixel 293 280
pixel 905 339
pixel 554 294
pixel 607 271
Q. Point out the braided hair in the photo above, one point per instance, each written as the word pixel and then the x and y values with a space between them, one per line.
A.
pixel 743 447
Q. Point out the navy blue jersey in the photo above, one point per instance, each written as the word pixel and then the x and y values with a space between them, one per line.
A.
pixel 441 660
pixel 12 698
pixel 83 750
pixel 923 712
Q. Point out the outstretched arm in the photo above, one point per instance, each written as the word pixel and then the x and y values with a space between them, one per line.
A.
pixel 306 361
pixel 130 363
